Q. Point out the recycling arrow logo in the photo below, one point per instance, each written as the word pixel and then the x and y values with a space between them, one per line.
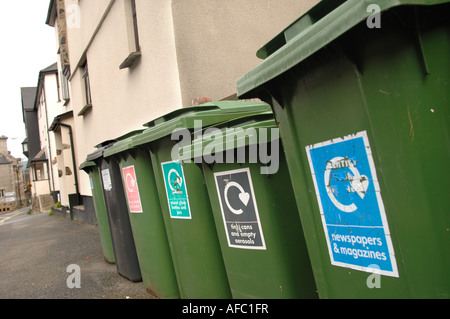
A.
pixel 358 183
pixel 130 183
pixel 176 183
pixel 244 197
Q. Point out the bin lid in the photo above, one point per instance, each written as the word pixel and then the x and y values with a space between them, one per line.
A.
pixel 209 114
pixel 97 153
pixel 124 143
pixel 102 147
pixel 87 166
pixel 247 134
pixel 318 27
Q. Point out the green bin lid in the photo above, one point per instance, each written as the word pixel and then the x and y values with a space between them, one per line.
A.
pixel 87 166
pixel 321 25
pixel 244 137
pixel 98 153
pixel 209 113
pixel 123 144
pixel 104 146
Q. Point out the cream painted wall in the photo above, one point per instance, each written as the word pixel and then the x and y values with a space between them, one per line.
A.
pixel 40 188
pixel 91 13
pixel 189 49
pixel 124 100
pixel 217 40
pixel 54 107
pixel 48 108
pixel 62 141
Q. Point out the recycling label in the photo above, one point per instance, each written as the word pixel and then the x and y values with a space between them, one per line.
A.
pixel 176 191
pixel 132 189
pixel 106 178
pixel 239 209
pixel 351 205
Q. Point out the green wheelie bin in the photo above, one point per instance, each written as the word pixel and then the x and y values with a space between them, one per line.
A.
pixel 361 93
pixel 100 210
pixel 254 209
pixel 184 198
pixel 146 220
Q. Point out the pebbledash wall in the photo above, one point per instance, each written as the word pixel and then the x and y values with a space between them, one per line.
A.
pixel 186 50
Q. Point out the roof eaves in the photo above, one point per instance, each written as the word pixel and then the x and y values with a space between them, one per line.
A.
pixel 51 69
pixel 51 14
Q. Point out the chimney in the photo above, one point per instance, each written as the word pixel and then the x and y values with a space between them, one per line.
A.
pixel 3 145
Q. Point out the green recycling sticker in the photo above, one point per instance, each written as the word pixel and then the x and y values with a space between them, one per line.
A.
pixel 175 185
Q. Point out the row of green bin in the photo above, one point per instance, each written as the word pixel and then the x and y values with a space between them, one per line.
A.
pixel 348 200
pixel 184 244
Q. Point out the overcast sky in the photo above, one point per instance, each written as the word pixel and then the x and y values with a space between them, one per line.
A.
pixel 27 46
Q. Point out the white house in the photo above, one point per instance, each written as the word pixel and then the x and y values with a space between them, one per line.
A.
pixel 123 63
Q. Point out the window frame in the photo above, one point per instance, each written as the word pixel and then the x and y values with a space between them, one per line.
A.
pixel 87 84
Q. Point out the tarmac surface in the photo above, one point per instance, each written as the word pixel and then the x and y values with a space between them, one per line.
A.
pixel 36 251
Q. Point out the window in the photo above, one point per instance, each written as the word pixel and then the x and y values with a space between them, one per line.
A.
pixel 134 48
pixel 65 75
pixel 58 87
pixel 40 170
pixel 135 25
pixel 87 86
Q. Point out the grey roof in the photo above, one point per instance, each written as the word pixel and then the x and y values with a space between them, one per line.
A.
pixel 40 157
pixel 53 68
pixel 50 68
pixel 28 97
pixel 4 160
pixel 51 14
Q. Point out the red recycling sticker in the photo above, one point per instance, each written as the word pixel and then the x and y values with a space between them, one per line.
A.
pixel 131 186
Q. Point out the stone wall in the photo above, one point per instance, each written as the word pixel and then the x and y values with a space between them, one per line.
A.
pixel 41 203
pixel 11 206
pixel 62 33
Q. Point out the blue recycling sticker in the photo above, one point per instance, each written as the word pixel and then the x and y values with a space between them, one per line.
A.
pixel 351 205
pixel 176 191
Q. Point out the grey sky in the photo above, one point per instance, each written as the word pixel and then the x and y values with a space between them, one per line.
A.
pixel 28 46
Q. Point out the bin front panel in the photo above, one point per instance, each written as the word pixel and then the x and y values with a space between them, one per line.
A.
pixel 410 118
pixel 147 224
pixel 393 84
pixel 263 245
pixel 100 213
pixel 124 248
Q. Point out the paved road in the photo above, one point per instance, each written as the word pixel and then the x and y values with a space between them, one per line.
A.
pixel 35 251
